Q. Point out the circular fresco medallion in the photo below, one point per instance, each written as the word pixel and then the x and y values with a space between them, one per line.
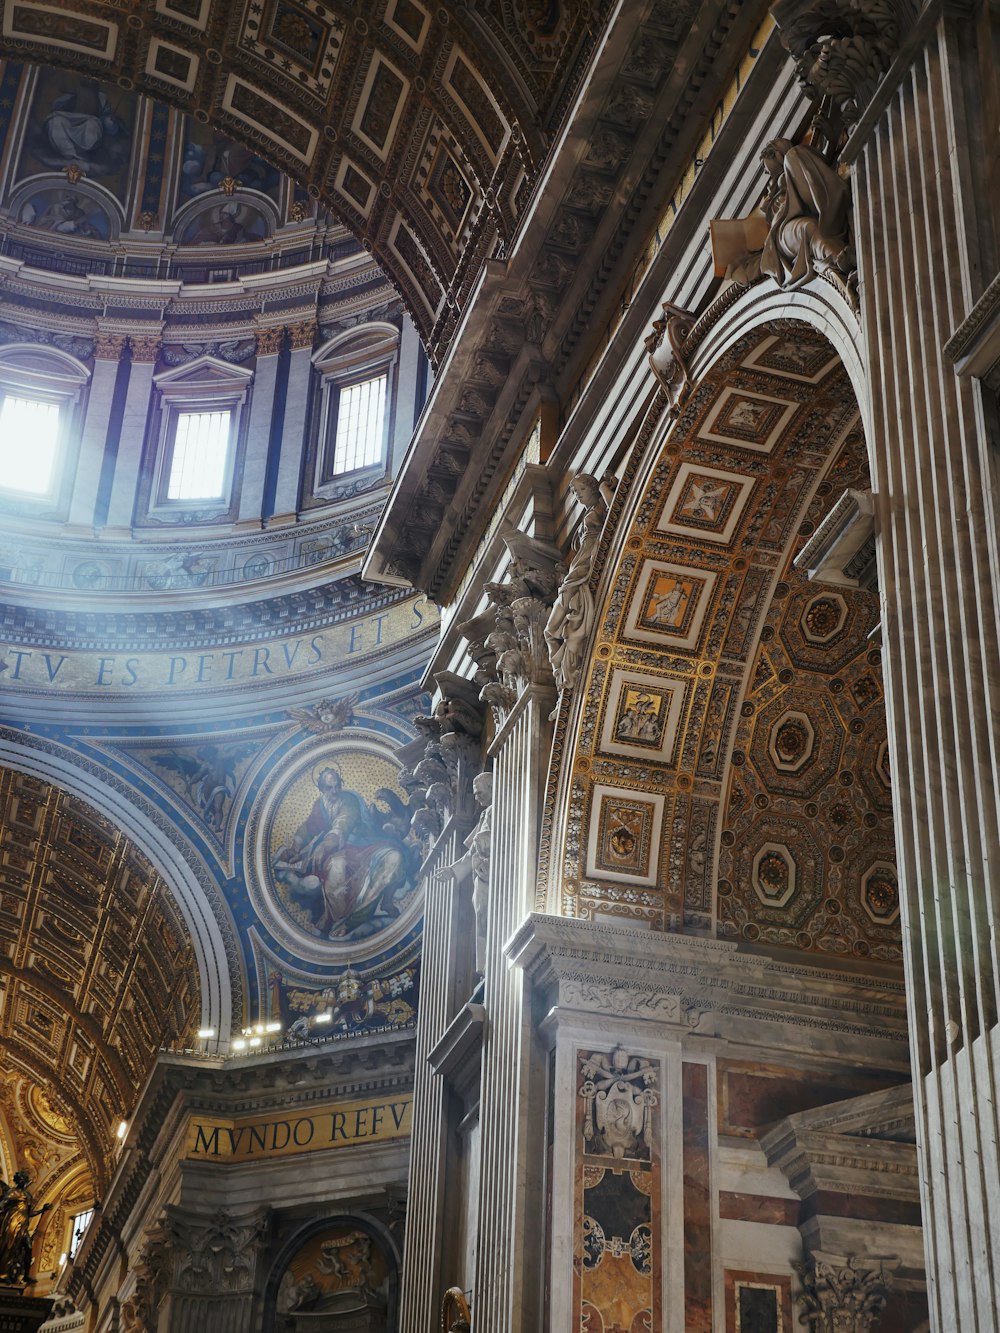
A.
pixel 335 855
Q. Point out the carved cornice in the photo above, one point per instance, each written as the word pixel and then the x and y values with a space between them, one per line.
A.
pixel 532 314
pixel 710 985
pixel 974 347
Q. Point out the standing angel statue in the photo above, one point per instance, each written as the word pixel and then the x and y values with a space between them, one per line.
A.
pixel 16 1212
pixel 572 616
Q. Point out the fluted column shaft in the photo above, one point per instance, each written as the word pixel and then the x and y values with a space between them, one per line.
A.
pixel 427 1224
pixel 507 1284
pixel 934 472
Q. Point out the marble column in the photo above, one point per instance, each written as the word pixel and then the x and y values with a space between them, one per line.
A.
pixel 430 1209
pixel 934 470
pixel 214 1278
pixel 108 351
pixel 131 446
pixel 507 1288
pixel 269 341
pixel 286 495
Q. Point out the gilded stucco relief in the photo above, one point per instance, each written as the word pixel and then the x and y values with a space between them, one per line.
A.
pixel 728 694
pixel 91 992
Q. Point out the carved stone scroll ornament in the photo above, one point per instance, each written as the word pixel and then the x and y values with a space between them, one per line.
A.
pixel 571 620
pixel 665 347
pixel 841 1295
pixel 801 227
pixel 842 48
pixel 515 646
pixel 618 1091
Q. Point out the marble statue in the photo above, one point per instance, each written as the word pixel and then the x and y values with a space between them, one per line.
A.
pixel 479 846
pixel 571 619
pixel 800 227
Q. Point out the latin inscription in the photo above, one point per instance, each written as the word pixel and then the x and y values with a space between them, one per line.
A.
pixel 335 1127
pixel 112 672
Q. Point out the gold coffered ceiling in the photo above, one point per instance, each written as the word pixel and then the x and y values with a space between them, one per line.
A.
pixel 422 126
pixel 730 771
pixel 96 972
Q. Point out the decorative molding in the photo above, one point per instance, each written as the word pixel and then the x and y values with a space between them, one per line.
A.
pixel 841 1295
pixel 691 982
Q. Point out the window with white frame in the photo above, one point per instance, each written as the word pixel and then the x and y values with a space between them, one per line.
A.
pixel 199 454
pixel 40 395
pixel 360 424
pixel 350 434
pixel 194 448
pixel 29 443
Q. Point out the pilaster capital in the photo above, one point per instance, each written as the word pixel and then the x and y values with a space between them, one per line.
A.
pixel 841 1295
pixel 216 1255
pixel 145 346
pixel 269 340
pixel 108 346
pixel 302 334
pixel 841 48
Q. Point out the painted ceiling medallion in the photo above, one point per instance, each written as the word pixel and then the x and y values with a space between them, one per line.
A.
pixel 336 862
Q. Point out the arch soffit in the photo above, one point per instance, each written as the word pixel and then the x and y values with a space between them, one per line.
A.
pixel 452 109
pixel 212 932
pixel 657 792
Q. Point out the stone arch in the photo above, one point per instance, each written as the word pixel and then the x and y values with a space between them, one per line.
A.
pixel 703 546
pixel 421 128
pixel 211 931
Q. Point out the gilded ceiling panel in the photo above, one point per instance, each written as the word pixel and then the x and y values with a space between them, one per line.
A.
pixel 97 969
pixel 733 734
pixel 420 126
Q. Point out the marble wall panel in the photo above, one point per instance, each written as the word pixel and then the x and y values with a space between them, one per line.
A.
pixel 698 1316
pixel 617 1223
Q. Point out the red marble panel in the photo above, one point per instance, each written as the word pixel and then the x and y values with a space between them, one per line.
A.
pixel 758 1208
pixel 697 1202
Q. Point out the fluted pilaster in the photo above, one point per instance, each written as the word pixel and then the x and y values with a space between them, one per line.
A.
pixel 934 470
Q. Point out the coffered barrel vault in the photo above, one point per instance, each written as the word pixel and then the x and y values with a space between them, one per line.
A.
pixel 499 663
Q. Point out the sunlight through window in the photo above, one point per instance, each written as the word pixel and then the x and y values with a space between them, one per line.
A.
pixel 359 425
pixel 29 443
pixel 200 454
pixel 80 1223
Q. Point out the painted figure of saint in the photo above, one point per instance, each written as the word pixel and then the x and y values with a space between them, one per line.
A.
pixel 343 864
